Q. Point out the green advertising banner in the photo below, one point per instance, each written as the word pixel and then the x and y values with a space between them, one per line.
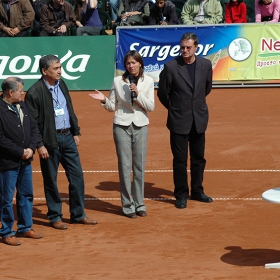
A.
pixel 88 62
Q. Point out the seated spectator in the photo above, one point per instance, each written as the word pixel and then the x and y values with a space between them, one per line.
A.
pixel 132 12
pixel 56 17
pixel 267 10
pixel 16 18
pixel 236 12
pixel 37 7
pixel 114 7
pixel 202 12
pixel 87 18
pixel 163 12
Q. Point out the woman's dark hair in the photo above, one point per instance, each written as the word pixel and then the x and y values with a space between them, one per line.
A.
pixel 239 1
pixel 78 10
pixel 135 55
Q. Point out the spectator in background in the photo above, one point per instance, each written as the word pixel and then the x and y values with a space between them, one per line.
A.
pixel 132 12
pixel 114 7
pixel 236 12
pixel 56 17
pixel 163 12
pixel 87 18
pixel 267 10
pixel 202 12
pixel 37 7
pixel 16 17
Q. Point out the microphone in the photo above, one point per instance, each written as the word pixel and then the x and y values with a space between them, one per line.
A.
pixel 131 80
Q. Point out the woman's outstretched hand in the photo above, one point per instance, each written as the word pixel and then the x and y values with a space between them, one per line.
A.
pixel 98 95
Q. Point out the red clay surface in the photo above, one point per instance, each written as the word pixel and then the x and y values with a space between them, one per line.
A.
pixel 231 238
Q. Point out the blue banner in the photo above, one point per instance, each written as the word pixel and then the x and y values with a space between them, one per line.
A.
pixel 239 52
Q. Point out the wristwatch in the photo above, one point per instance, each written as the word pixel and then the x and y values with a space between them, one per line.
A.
pixel 140 13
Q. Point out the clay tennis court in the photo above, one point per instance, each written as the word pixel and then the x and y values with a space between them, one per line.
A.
pixel 231 238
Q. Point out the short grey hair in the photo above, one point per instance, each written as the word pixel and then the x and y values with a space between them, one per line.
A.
pixel 11 83
pixel 47 60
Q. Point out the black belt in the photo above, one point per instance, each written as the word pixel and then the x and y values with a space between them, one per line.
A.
pixel 266 18
pixel 62 131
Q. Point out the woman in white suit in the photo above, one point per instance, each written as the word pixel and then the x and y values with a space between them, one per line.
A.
pixel 131 97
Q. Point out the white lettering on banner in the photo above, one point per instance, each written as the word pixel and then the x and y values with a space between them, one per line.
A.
pixel 14 62
pixel 22 63
pixel 164 51
pixel 151 68
pixel 204 50
pixel 35 67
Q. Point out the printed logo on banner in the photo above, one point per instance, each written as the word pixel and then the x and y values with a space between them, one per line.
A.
pixel 84 61
pixel 239 49
pixel 21 64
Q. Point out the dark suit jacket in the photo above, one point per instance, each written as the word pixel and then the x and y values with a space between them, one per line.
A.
pixel 186 104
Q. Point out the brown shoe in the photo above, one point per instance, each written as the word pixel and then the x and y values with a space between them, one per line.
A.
pixel 85 221
pixel 30 234
pixel 11 240
pixel 59 225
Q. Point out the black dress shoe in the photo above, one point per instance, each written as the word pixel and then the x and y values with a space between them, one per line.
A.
pixel 131 215
pixel 202 198
pixel 181 203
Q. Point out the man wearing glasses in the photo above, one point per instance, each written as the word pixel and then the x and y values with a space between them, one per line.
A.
pixel 183 86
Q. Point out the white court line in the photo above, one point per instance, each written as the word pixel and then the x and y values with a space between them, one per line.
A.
pixel 162 198
pixel 170 170
pixel 166 171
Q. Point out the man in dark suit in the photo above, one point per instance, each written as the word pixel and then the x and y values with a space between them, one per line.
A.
pixel 183 86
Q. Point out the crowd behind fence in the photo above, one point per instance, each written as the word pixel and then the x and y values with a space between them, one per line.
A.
pixel 107 19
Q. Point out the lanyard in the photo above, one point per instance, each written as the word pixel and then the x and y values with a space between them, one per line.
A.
pixel 54 92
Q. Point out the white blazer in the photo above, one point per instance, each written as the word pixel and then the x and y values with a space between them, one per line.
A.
pixel 120 102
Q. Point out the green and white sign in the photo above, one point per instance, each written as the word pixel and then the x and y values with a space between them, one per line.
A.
pixel 88 62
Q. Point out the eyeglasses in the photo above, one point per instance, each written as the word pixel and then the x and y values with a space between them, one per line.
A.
pixel 185 47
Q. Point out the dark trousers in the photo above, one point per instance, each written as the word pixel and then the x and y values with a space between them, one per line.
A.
pixel 23 33
pixel 45 33
pixel 66 154
pixel 180 143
